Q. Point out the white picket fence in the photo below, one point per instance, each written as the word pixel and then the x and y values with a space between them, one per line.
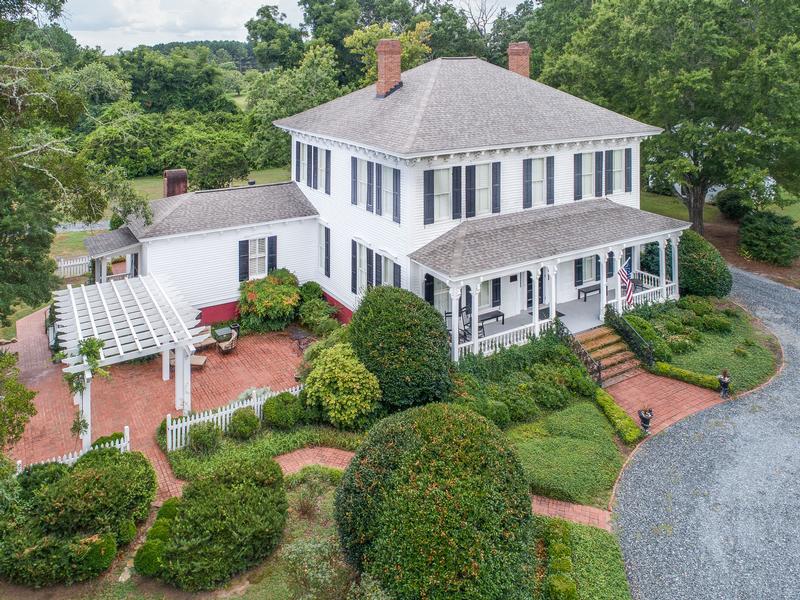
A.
pixel 178 428
pixel 72 267
pixel 123 445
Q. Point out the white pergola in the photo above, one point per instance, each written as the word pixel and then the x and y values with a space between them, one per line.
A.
pixel 134 318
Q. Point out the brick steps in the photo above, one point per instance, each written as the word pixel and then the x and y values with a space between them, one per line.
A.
pixel 605 346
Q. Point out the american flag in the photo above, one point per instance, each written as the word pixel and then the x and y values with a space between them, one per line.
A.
pixel 624 274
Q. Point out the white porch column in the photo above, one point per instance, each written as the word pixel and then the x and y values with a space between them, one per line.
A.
pixel 603 280
pixel 179 373
pixel 187 380
pixel 86 411
pixel 553 269
pixel 103 269
pixel 476 292
pixel 618 253
pixel 535 276
pixel 637 258
pixel 455 295
pixel 98 265
pixel 674 239
pixel 662 268
pixel 165 365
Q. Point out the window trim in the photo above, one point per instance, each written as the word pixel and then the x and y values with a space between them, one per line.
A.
pixel 321 169
pixel 362 185
pixel 387 187
pixel 542 183
pixel 304 164
pixel 321 247
pixel 587 164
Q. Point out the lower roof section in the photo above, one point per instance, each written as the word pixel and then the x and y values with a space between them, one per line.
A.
pixel 478 246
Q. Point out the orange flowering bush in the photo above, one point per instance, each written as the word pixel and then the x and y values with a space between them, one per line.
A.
pixel 270 303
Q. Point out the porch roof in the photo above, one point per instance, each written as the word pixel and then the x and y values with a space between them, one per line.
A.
pixel 482 245
pixel 106 244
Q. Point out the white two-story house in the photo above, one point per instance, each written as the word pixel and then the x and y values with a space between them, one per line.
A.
pixel 485 192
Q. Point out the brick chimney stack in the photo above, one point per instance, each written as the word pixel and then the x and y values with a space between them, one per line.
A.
pixel 519 58
pixel 388 67
pixel 176 181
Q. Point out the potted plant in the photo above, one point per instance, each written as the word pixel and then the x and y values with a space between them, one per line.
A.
pixel 645 415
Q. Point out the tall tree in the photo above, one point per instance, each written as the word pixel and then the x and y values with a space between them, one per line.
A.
pixel 722 77
pixel 450 33
pixel 16 402
pixel 330 21
pixel 275 42
pixel 414 51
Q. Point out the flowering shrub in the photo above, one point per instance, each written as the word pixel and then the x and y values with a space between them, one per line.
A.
pixel 270 303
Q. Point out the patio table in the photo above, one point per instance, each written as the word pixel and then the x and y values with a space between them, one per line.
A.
pixel 223 334
pixel 492 315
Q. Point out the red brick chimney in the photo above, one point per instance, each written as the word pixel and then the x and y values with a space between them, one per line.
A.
pixel 388 67
pixel 176 181
pixel 519 58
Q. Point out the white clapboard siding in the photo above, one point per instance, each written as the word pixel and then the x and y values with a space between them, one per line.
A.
pixel 178 428
pixel 123 445
pixel 72 267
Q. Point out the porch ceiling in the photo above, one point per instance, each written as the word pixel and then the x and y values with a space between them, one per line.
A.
pixel 498 242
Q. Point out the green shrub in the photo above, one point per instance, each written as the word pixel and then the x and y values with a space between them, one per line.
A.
pixel 126 532
pixel 403 341
pixel 161 529
pixel 98 552
pixel 310 290
pixel 169 509
pixel 518 393
pixel 770 237
pixel 340 335
pixel 204 438
pixel 698 379
pixel 702 270
pixel 316 315
pixel 547 349
pixel 715 322
pixel 627 429
pixel 149 558
pixel 434 505
pixel 340 384
pixel 367 588
pixel 696 304
pixel 107 438
pixel 680 344
pixel 645 329
pixel 494 410
pixel 244 424
pixel 733 203
pixel 35 477
pixel 282 411
pixel 316 569
pixel 269 303
pixel 559 586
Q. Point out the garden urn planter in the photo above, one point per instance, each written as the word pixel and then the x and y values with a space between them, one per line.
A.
pixel 645 415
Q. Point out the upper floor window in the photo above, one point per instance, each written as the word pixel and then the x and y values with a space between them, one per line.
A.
pixel 537 181
pixel 587 173
pixel 617 170
pixel 363 182
pixel 387 190
pixel 483 189
pixel 257 257
pixel 441 194
pixel 304 158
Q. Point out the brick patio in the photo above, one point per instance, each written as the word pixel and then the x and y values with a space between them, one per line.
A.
pixel 333 458
pixel 135 395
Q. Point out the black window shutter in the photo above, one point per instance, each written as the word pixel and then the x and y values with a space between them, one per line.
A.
pixel 378 189
pixel 327 252
pixel 610 265
pixel 551 179
pixel 428 288
pixel 496 292
pixel 495 187
pixel 396 276
pixel 468 300
pixel 578 272
pixel 328 172
pixel 427 195
pixel 309 165
pixel 315 168
pixel 578 179
pixel 135 264
pixel 244 260
pixel 370 267
pixel 529 284
pixel 396 196
pixel 378 269
pixel 597 267
pixel 609 171
pixel 353 180
pixel 272 253
pixel 598 174
pixel 297 161
pixel 370 185
pixel 354 267
pixel 527 183
pixel 470 184
pixel 456 192
pixel 628 172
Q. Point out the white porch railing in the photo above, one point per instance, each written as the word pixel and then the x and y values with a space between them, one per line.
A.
pixel 649 296
pixel 648 279
pixel 513 337
pixel 72 267
pixel 178 429
pixel 117 277
pixel 123 445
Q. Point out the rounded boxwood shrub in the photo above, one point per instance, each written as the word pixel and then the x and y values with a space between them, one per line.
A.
pixel 435 505
pixel 149 558
pixel 126 532
pixel 402 340
pixel 35 477
pixel 316 314
pixel 269 303
pixel 701 269
pixel 204 438
pixel 282 411
pixel 770 237
pixel 661 351
pixel 342 387
pixel 244 424
pixel 732 203
pixel 699 306
pixel 310 290
pixel 517 392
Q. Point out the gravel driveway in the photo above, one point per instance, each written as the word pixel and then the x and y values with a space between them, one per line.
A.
pixel 710 508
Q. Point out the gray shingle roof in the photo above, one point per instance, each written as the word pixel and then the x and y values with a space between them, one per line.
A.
pixel 453 104
pixel 223 209
pixel 501 241
pixel 103 243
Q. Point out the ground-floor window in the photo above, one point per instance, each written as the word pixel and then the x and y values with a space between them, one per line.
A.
pixel 441 296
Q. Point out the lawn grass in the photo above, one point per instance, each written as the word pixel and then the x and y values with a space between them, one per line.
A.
pixel 19 311
pixel 670 206
pixel 793 210
pixel 69 244
pixel 747 352
pixel 569 455
pixel 152 187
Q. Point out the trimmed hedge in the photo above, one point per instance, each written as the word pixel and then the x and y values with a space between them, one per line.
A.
pixel 661 350
pixel 698 379
pixel 733 203
pixel 769 237
pixel 282 411
pixel 627 429
pixel 403 341
pixel 434 505
pixel 702 270
pixel 560 581
pixel 244 424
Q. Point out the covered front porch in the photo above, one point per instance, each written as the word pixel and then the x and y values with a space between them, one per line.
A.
pixel 106 247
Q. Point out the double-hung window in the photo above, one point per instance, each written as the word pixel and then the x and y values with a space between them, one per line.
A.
pixel 589 264
pixel 485 300
pixel 387 271
pixel 361 270
pixel 618 170
pixel 363 182
pixel 305 156
pixel 537 181
pixel 587 174
pixel 483 189
pixel 321 247
pixel 441 296
pixel 257 257
pixel 387 187
pixel 442 205
pixel 321 169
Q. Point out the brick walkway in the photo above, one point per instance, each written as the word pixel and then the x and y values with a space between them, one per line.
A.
pixel 136 396
pixel 578 513
pixel 670 399
pixel 326 457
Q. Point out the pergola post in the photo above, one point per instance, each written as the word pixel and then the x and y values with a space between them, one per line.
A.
pixel 603 280
pixel 553 269
pixel 179 373
pixel 86 410
pixel 165 365
pixel 187 380
pixel 476 292
pixel 662 268
pixel 103 269
pixel 535 277
pixel 455 296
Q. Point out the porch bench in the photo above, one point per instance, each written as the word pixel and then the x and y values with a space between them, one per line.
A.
pixel 589 289
pixel 197 362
